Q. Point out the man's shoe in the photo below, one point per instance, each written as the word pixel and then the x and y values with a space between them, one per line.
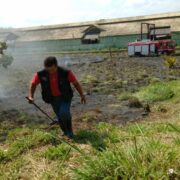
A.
pixel 70 135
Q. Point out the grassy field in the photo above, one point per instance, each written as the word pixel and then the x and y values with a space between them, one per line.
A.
pixel 147 149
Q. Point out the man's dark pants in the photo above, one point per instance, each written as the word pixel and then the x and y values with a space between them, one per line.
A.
pixel 62 111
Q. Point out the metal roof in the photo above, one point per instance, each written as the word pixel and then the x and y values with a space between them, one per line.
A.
pixel 113 27
pixel 93 26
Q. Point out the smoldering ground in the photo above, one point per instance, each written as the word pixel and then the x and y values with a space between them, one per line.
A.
pixel 103 79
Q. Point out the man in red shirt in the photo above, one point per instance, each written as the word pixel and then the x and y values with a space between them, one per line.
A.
pixel 56 90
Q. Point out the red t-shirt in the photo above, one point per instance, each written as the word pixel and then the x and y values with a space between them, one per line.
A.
pixel 54 81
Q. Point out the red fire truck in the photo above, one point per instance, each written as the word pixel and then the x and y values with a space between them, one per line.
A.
pixel 157 42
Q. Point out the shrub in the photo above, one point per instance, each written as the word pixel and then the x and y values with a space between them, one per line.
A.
pixel 169 61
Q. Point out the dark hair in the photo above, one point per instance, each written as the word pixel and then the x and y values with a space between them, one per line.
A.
pixel 50 61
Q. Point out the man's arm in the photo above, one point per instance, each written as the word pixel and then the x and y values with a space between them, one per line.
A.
pixel 80 91
pixel 32 90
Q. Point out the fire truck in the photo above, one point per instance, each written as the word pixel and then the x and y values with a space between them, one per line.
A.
pixel 156 41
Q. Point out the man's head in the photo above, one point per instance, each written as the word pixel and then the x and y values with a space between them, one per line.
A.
pixel 51 64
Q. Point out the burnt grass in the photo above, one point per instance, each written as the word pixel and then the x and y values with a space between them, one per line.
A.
pixel 103 83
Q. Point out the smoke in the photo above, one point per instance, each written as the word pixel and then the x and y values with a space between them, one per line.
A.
pixel 1 91
pixel 27 60
pixel 4 82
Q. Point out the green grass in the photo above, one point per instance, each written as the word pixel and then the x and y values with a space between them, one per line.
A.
pixel 18 132
pixel 159 91
pixel 57 152
pixel 18 147
pixel 22 140
pixel 100 139
pixel 13 169
pixel 134 151
pixel 141 156
pixel 111 132
pixel 156 91
pixel 125 96
pixel 95 139
pixel 140 152
pixel 2 155
pixel 150 160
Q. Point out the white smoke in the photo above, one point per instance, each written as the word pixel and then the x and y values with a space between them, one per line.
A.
pixel 2 92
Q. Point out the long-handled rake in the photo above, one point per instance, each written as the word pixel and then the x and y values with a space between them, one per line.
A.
pixel 55 122
pixel 50 118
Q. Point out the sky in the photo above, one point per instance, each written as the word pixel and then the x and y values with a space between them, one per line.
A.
pixel 26 13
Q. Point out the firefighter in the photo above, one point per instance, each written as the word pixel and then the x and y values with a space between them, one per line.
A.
pixel 56 90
